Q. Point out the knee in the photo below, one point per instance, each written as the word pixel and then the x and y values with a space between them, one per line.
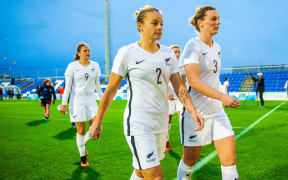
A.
pixel 80 128
pixel 190 162
pixel 158 177
pixel 229 161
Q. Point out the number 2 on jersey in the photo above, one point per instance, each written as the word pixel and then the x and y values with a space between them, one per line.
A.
pixel 158 70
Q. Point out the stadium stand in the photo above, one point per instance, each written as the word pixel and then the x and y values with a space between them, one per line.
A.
pixel 239 82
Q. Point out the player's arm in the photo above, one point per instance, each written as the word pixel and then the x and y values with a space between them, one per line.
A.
pixel 98 85
pixel 192 73
pixel 183 78
pixel 68 87
pixel 183 95
pixel 40 91
pixel 110 92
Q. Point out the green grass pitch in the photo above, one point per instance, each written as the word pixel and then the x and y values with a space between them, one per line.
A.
pixel 32 148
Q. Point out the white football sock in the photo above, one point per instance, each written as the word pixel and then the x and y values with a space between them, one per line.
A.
pixel 169 127
pixel 80 144
pixel 135 177
pixel 229 172
pixel 184 171
pixel 87 137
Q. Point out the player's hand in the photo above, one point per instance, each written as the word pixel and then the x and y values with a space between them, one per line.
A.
pixel 95 130
pixel 63 109
pixel 170 96
pixel 199 120
pixel 230 101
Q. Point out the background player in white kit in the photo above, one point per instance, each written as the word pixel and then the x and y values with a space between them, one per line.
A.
pixel 173 102
pixel 82 77
pixel 201 59
pixel 226 86
pixel 148 68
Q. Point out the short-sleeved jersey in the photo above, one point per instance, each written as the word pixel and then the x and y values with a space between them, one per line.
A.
pixel 181 71
pixel 225 86
pixel 148 75
pixel 83 82
pixel 208 58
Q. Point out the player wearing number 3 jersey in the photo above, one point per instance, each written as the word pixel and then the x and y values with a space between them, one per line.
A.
pixel 148 67
pixel 201 60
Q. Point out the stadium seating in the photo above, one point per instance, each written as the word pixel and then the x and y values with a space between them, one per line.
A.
pixel 274 82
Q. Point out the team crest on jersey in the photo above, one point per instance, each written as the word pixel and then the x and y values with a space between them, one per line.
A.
pixel 149 157
pixel 167 61
pixel 191 138
pixel 93 70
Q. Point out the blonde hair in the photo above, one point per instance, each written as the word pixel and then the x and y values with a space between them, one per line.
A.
pixel 140 15
pixel 200 13
pixel 80 45
pixel 174 46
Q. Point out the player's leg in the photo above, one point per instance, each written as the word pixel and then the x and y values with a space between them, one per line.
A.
pixel 188 160
pixel 48 109
pixel 172 110
pixel 226 150
pixel 137 175
pixel 261 98
pixel 91 112
pixel 80 140
pixel 168 148
pixel 192 142
pixel 146 160
pixel 43 104
pixel 224 142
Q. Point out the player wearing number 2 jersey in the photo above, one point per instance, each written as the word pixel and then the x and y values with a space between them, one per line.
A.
pixel 82 77
pixel 201 60
pixel 148 67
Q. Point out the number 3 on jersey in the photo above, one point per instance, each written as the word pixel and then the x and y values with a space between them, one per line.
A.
pixel 158 71
pixel 215 64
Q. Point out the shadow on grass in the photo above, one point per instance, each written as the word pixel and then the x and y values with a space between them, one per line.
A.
pixel 174 155
pixel 85 173
pixel 67 134
pixel 37 122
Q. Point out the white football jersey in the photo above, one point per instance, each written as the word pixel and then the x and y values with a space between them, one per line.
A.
pixel 148 75
pixel 225 86
pixel 208 58
pixel 84 79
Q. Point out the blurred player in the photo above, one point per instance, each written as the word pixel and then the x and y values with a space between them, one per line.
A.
pixel 45 94
pixel 201 59
pixel 173 103
pixel 61 91
pixel 226 86
pixel 148 68
pixel 82 77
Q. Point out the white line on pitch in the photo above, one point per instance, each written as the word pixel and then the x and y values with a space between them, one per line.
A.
pixel 53 119
pixel 204 161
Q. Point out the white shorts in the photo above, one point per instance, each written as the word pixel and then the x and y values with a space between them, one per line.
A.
pixel 147 150
pixel 82 113
pixel 215 127
pixel 174 106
